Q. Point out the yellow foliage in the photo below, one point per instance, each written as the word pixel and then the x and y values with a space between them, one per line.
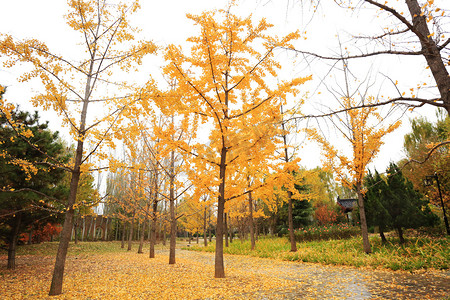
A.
pixel 363 132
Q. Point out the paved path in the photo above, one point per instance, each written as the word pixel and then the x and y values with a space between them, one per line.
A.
pixel 315 281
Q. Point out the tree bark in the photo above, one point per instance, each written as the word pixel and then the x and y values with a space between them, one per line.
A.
pixel 173 220
pixel 209 228
pixel 205 239
pixel 219 268
pixel 290 210
pixel 154 224
pixel 130 232
pixel 13 243
pixel 116 230
pixel 75 227
pixel 84 229
pixel 291 224
pixel 225 228
pixel 58 271
pixel 105 235
pixel 173 232
pixel 383 237
pixel 400 235
pixel 141 237
pixel 362 220
pixel 250 221
pixel 431 52
pixel 30 236
pixel 124 233
pixel 94 231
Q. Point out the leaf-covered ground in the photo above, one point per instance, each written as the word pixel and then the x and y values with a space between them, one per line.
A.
pixel 128 275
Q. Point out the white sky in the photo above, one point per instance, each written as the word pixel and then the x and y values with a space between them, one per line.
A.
pixel 164 22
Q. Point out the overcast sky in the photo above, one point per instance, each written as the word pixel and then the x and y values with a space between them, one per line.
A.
pixel 164 22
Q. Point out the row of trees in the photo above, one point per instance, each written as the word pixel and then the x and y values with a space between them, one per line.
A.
pixel 224 125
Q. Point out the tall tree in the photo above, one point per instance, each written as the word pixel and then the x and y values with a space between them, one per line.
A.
pixel 224 80
pixel 363 131
pixel 73 88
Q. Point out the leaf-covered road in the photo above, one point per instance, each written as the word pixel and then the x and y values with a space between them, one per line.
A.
pixel 315 281
pixel 127 275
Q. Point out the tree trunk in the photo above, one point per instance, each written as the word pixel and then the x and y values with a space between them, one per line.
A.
pixel 256 230
pixel 205 239
pixel 130 232
pixel 154 224
pixel 225 227
pixel 105 234
pixel 149 231
pixel 431 52
pixel 164 234
pixel 362 220
pixel 124 230
pixel 291 224
pixel 84 229
pixel 138 233
pixel 383 237
pixel 94 230
pixel 209 228
pixel 219 268
pixel 173 233
pixel 290 217
pixel 250 221
pixel 75 230
pixel 116 230
pixel 30 236
pixel 173 220
pixel 13 243
pixel 400 235
pixel 141 237
pixel 58 271
pixel 209 233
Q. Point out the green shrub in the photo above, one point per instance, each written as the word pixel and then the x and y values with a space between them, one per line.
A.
pixel 330 232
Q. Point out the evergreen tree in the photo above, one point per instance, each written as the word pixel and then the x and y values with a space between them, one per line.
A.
pixel 408 208
pixel 377 214
pixel 301 209
pixel 29 181
pixel 393 203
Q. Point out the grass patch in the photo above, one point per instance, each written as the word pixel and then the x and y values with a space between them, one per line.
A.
pixel 418 253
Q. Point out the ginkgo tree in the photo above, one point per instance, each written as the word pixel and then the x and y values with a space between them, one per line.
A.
pixel 362 130
pixel 229 75
pixel 72 88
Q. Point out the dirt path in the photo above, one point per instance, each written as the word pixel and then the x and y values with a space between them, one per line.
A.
pixel 315 281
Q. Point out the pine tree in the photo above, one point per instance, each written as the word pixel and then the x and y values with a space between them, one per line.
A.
pixel 393 203
pixel 30 183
